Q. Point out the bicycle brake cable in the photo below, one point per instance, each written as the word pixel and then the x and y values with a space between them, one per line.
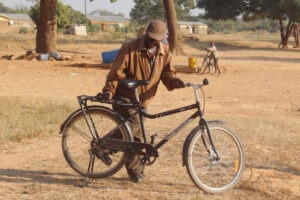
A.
pixel 203 107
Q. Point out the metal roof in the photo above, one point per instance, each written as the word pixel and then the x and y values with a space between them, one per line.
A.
pixel 15 16
pixel 191 23
pixel 112 18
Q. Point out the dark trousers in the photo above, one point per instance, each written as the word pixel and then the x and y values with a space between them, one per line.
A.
pixel 133 164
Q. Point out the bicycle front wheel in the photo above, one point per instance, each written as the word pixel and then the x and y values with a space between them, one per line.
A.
pixel 78 144
pixel 208 172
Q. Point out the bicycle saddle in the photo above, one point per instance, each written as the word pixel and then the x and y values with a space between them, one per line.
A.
pixel 130 83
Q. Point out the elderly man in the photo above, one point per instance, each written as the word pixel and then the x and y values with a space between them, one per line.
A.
pixel 145 58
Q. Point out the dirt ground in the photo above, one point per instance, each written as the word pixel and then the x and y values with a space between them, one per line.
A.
pixel 257 94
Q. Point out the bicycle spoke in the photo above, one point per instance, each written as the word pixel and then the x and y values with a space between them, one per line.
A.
pixel 81 133
pixel 76 149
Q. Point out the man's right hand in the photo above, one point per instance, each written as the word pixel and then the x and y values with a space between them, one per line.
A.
pixel 104 95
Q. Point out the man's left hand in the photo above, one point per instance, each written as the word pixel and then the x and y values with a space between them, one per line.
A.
pixel 177 83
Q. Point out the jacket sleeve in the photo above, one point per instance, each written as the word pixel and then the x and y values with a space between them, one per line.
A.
pixel 168 73
pixel 117 70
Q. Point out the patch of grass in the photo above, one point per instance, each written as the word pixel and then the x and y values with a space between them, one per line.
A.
pixel 29 117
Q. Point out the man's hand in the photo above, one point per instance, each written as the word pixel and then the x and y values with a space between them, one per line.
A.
pixel 105 95
pixel 177 83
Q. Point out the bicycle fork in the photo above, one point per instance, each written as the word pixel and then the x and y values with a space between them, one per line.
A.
pixel 210 141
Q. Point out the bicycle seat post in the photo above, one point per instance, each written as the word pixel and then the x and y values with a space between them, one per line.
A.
pixel 136 95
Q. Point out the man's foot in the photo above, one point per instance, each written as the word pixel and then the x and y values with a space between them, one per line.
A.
pixel 136 177
pixel 104 157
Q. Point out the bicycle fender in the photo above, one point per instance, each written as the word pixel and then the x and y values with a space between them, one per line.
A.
pixel 63 125
pixel 191 135
pixel 216 122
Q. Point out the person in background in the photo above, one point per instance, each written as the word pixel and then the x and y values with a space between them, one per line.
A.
pixel 214 55
pixel 144 58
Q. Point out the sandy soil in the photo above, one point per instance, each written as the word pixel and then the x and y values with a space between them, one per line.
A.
pixel 257 94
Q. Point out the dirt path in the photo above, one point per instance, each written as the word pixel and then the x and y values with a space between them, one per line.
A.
pixel 258 94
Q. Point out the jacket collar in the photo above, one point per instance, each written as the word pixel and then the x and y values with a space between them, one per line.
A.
pixel 142 47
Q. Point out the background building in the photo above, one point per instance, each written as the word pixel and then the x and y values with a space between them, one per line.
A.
pixel 192 27
pixel 107 23
pixel 13 22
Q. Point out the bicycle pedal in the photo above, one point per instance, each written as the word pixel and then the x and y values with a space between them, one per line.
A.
pixel 152 138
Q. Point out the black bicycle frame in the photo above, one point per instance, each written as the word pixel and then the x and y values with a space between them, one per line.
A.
pixel 142 113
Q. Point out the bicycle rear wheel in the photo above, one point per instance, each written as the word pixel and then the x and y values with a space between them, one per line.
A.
pixel 78 144
pixel 209 173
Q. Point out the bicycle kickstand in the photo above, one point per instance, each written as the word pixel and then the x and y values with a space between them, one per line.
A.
pixel 90 169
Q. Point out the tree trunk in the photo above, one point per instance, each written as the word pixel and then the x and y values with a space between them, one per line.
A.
pixel 47 27
pixel 174 35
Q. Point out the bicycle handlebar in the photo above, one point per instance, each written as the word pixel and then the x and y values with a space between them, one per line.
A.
pixel 204 82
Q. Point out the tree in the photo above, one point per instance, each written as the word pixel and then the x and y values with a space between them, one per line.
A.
pixel 18 9
pixel 221 9
pixel 47 27
pixel 145 11
pixel 65 15
pixel 4 9
pixel 281 10
pixel 174 36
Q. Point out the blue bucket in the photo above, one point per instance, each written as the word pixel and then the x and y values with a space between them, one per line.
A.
pixel 109 56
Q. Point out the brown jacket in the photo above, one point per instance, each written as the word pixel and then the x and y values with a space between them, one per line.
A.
pixel 133 62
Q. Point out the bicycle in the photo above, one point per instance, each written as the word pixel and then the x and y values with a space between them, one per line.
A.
pixel 212 153
pixel 207 63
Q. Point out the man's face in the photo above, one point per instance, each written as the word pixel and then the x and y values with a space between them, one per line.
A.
pixel 150 42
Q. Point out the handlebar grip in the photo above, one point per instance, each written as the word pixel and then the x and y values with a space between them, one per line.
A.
pixel 205 81
pixel 187 84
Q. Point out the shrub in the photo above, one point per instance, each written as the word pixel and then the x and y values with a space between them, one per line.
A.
pixel 23 30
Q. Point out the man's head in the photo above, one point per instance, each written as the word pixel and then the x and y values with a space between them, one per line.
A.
pixel 155 32
pixel 212 44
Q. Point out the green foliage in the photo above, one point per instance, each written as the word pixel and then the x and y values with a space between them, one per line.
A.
pixel 4 9
pixel 145 11
pixel 93 28
pixel 21 9
pixel 34 13
pixel 18 9
pixel 23 30
pixel 251 9
pixel 218 9
pixel 231 26
pixel 65 15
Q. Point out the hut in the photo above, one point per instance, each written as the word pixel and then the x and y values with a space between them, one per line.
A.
pixel 13 22
pixel 107 23
pixel 191 27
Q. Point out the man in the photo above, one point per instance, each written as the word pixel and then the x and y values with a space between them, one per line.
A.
pixel 145 58
pixel 214 55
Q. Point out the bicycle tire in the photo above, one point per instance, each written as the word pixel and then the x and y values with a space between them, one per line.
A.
pixel 76 142
pixel 207 173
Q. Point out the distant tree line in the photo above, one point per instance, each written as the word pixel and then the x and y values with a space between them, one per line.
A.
pixel 18 9
pixel 286 12
pixel 239 25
